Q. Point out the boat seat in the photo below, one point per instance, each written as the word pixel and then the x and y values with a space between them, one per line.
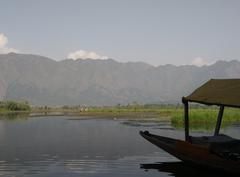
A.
pixel 204 140
pixel 222 145
pixel 227 150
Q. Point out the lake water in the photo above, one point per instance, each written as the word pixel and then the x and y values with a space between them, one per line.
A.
pixel 81 146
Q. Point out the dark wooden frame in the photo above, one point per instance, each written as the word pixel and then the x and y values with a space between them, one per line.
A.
pixel 186 119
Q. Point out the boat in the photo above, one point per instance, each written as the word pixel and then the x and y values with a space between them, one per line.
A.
pixel 219 152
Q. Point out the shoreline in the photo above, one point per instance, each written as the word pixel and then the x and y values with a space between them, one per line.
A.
pixel 198 115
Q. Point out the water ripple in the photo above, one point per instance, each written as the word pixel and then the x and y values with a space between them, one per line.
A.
pixel 99 165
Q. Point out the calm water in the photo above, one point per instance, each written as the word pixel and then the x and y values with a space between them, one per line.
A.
pixel 72 146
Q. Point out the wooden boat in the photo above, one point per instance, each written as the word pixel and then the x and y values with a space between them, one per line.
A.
pixel 218 151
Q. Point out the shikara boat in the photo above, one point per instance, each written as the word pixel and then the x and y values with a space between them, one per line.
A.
pixel 219 151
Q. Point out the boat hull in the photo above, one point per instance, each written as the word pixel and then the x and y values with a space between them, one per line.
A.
pixel 191 153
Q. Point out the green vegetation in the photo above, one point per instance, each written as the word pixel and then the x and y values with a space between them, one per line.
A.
pixel 198 115
pixel 158 112
pixel 14 106
pixel 206 116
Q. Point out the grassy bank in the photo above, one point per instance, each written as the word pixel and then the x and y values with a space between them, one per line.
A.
pixel 198 115
pixel 114 111
pixel 206 116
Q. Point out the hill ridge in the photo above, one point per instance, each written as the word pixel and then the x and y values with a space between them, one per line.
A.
pixel 44 81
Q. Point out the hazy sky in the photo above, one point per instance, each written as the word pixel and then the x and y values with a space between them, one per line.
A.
pixel 154 31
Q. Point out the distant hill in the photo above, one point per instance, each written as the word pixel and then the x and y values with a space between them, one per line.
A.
pixel 43 81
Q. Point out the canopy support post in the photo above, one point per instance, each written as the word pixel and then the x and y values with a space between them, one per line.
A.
pixel 186 119
pixel 219 120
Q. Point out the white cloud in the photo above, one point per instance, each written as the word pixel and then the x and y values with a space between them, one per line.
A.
pixel 3 48
pixel 3 40
pixel 198 61
pixel 85 55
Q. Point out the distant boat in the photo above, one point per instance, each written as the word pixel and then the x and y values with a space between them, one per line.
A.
pixel 219 151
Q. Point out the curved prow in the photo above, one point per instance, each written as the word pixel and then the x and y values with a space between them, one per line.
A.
pixel 165 143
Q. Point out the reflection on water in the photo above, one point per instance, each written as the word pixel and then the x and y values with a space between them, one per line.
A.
pixel 15 116
pixel 73 146
pixel 152 124
pixel 182 169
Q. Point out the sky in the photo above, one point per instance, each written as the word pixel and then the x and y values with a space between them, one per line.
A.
pixel 157 32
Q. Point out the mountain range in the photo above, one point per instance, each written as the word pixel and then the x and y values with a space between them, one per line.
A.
pixel 44 81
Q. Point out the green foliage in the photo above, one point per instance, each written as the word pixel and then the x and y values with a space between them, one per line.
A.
pixel 14 106
pixel 207 115
pixel 199 115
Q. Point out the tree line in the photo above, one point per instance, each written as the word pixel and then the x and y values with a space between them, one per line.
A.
pixel 15 105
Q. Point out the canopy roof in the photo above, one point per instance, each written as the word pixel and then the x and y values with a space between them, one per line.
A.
pixel 217 92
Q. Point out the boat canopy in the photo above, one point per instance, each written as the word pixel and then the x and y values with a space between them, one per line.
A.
pixel 222 92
